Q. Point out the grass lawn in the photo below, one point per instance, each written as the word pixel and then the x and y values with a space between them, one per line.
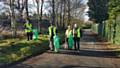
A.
pixel 12 50
pixel 15 49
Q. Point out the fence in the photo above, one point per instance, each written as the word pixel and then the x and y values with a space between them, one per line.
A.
pixel 110 30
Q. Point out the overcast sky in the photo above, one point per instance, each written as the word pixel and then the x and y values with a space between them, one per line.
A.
pixel 32 8
pixel 31 2
pixel 84 15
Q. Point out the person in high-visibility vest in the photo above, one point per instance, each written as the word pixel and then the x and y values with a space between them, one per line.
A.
pixel 76 37
pixel 69 38
pixel 28 30
pixel 52 31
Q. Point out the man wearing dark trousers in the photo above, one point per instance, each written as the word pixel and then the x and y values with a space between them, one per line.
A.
pixel 28 30
pixel 76 37
pixel 52 31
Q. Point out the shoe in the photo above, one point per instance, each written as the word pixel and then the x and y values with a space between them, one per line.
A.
pixel 78 50
pixel 75 49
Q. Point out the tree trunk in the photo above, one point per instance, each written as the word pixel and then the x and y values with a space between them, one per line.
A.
pixel 61 9
pixel 69 16
pixel 114 31
pixel 26 8
pixel 20 7
pixel 41 14
pixel 64 14
pixel 56 14
pixel 53 12
pixel 38 14
pixel 13 23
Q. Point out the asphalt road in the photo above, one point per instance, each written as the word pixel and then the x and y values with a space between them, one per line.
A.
pixel 93 54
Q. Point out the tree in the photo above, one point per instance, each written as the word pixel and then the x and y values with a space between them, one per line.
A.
pixel 61 10
pixel 57 7
pixel 26 9
pixel 20 5
pixel 98 10
pixel 65 11
pixel 41 14
pixel 38 14
pixel 53 11
pixel 13 23
pixel 69 14
pixel 114 11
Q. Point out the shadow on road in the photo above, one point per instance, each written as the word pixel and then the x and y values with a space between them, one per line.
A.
pixel 75 66
pixel 89 53
pixel 50 66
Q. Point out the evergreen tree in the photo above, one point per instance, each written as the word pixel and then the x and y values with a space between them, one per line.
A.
pixel 98 10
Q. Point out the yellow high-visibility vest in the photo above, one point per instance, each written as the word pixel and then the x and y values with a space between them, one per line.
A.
pixel 78 32
pixel 28 27
pixel 50 30
pixel 68 32
pixel 54 30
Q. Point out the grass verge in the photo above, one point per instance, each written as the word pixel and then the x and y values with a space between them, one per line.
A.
pixel 13 50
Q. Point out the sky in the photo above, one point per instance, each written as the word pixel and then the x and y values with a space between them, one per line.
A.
pixel 32 2
pixel 32 8
pixel 84 15
pixel 84 2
